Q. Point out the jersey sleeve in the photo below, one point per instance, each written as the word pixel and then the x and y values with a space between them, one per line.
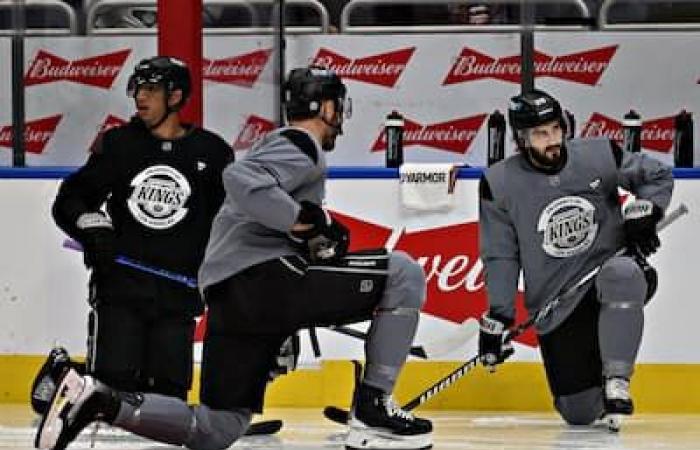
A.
pixel 498 244
pixel 86 189
pixel 260 183
pixel 644 176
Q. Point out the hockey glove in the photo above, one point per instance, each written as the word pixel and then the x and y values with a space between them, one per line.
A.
pixel 327 239
pixel 492 349
pixel 97 237
pixel 641 217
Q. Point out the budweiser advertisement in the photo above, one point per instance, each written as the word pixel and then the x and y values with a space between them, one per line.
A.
pixel 37 134
pixel 240 70
pixel 98 71
pixel 454 136
pixel 443 84
pixel 585 67
pixel 656 136
pixel 254 129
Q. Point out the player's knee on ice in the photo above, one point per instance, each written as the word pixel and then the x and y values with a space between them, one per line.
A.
pixel 217 429
pixel 405 284
pixel 621 283
pixel 581 408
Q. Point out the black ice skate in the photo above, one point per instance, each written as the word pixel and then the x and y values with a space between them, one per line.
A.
pixel 377 422
pixel 618 402
pixel 77 402
pixel 44 384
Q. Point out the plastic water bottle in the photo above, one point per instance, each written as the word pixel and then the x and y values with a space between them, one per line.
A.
pixel 393 127
pixel 496 137
pixel 683 140
pixel 632 132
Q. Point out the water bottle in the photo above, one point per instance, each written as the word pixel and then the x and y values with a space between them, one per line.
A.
pixel 393 127
pixel 496 137
pixel 683 140
pixel 632 132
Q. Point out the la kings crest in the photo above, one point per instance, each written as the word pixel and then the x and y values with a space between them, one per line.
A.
pixel 159 196
pixel 567 226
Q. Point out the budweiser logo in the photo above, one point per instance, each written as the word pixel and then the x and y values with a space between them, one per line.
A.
pixel 452 136
pixel 254 129
pixel 243 70
pixel 383 69
pixel 99 71
pixel 656 134
pixel 110 122
pixel 582 67
pixel 36 134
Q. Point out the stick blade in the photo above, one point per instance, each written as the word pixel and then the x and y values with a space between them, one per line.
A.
pixel 336 415
pixel 264 427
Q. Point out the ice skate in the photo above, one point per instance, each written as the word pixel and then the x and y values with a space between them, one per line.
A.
pixel 618 402
pixel 44 384
pixel 377 422
pixel 76 403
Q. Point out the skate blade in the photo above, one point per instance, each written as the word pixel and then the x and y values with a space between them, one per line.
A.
pixel 368 438
pixel 52 423
pixel 614 422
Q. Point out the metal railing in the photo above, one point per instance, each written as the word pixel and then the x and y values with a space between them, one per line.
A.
pixel 347 27
pixel 253 24
pixel 50 8
pixel 643 20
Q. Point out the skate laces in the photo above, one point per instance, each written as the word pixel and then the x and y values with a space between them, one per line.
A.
pixel 394 410
pixel 617 388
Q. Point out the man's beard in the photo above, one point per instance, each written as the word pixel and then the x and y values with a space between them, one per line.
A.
pixel 541 159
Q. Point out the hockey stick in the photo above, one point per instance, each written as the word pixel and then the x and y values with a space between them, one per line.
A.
pixel 138 265
pixel 264 427
pixel 341 416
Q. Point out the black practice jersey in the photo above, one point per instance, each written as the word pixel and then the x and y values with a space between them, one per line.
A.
pixel 161 196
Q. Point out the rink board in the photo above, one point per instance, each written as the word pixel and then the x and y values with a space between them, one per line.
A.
pixel 43 292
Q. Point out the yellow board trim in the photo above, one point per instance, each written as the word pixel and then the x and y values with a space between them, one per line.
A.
pixel 516 386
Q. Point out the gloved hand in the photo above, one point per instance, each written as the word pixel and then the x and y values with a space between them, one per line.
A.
pixel 327 239
pixel 641 217
pixel 98 240
pixel 492 349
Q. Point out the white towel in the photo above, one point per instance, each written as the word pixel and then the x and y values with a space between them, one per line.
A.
pixel 427 187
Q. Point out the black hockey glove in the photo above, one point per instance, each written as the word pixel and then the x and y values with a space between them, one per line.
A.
pixel 97 238
pixel 327 239
pixel 641 217
pixel 492 349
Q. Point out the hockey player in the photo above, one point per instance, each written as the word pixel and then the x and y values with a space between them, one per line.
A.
pixel 161 181
pixel 276 262
pixel 553 211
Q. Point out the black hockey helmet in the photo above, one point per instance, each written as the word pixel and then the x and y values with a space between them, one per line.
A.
pixel 532 109
pixel 306 87
pixel 170 72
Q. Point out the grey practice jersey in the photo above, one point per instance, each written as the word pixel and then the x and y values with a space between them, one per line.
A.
pixel 558 227
pixel 263 191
